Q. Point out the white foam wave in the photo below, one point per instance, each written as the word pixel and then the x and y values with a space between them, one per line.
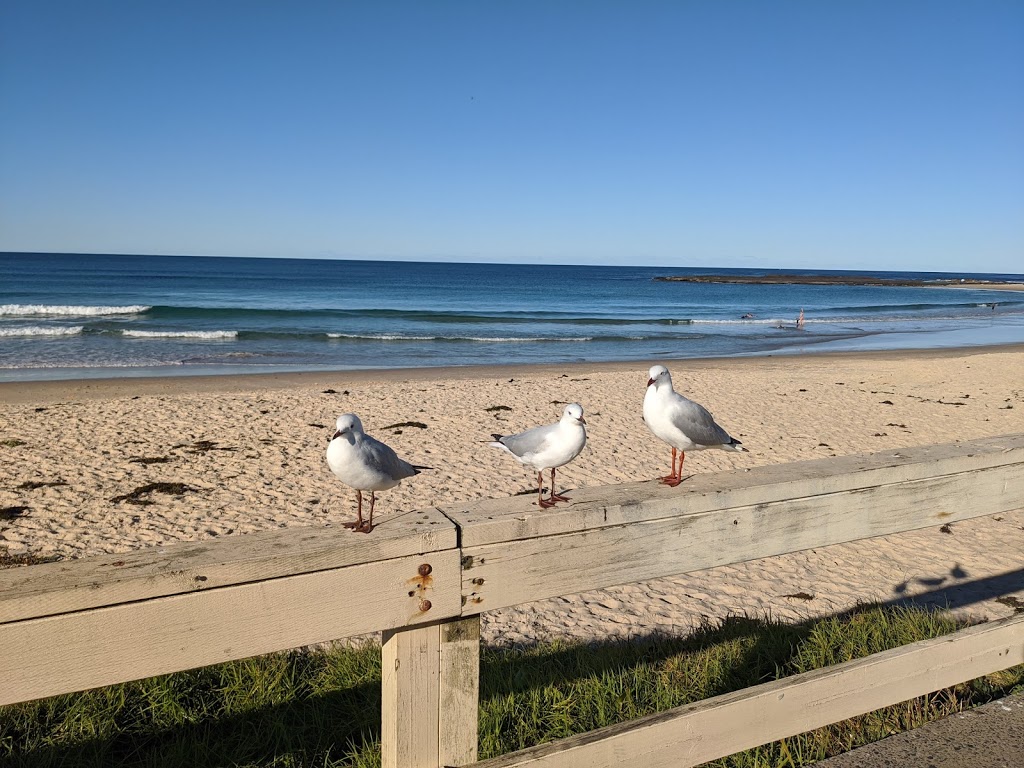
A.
pixel 379 337
pixel 823 320
pixel 181 334
pixel 38 330
pixel 769 321
pixel 498 339
pixel 92 364
pixel 537 338
pixel 21 310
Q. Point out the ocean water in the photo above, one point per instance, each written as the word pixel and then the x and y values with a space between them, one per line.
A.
pixel 70 316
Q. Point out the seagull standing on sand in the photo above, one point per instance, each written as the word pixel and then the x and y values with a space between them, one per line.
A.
pixel 364 464
pixel 547 447
pixel 683 424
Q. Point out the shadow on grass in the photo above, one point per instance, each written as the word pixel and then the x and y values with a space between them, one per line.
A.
pixel 288 709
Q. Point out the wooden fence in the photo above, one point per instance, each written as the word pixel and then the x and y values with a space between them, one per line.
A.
pixel 424 577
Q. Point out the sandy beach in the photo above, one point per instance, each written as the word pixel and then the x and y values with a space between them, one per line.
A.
pixel 249 453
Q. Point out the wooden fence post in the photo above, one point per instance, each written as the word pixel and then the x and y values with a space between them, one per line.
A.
pixel 459 699
pixel 430 694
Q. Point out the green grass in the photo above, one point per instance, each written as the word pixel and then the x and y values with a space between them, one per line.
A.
pixel 322 708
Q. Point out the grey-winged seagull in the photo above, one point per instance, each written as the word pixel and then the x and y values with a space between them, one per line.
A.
pixel 683 424
pixel 548 447
pixel 364 464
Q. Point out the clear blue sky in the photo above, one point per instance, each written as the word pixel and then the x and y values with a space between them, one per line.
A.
pixel 714 133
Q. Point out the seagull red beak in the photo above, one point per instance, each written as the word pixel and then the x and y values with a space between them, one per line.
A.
pixel 649 382
pixel 582 420
pixel 335 435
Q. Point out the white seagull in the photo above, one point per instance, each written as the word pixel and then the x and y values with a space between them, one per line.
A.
pixel 683 424
pixel 364 464
pixel 547 447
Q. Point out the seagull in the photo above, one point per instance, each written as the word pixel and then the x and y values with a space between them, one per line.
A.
pixel 683 424
pixel 364 464
pixel 547 447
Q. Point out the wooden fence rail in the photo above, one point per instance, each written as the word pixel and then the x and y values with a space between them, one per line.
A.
pixel 424 577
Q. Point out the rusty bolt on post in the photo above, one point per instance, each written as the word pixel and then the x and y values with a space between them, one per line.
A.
pixel 425 605
pixel 425 569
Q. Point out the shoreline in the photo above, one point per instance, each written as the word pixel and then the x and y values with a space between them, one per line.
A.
pixel 56 390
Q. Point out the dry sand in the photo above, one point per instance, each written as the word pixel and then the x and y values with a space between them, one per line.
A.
pixel 253 448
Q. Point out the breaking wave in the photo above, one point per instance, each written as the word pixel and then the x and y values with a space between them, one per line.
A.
pixel 38 330
pixel 181 334
pixel 506 339
pixel 69 310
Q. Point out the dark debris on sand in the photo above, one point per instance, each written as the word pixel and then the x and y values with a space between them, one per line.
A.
pixel 202 446
pixel 140 495
pixel 800 596
pixel 416 424
pixel 31 485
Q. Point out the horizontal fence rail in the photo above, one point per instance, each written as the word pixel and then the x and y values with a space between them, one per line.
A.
pixel 424 577
pixel 720 726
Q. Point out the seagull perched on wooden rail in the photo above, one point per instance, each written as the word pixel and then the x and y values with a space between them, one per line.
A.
pixel 548 447
pixel 364 464
pixel 683 424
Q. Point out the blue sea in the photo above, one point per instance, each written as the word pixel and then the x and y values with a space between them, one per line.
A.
pixel 74 316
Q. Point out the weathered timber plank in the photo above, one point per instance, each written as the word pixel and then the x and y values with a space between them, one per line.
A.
pixel 723 725
pixel 508 519
pixel 430 691
pixel 410 690
pixel 459 705
pixel 73 585
pixel 101 646
pixel 500 575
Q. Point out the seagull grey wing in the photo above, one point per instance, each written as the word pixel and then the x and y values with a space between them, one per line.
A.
pixel 697 423
pixel 529 442
pixel 385 460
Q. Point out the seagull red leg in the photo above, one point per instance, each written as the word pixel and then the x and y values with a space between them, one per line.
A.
pixel 677 474
pixel 672 477
pixel 541 501
pixel 368 525
pixel 556 496
pixel 359 513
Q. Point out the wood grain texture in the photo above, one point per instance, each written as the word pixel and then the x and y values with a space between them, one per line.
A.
pixel 101 646
pixel 410 691
pixel 500 575
pixel 723 725
pixel 74 585
pixel 510 519
pixel 459 703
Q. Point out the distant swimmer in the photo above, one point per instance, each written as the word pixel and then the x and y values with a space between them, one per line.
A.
pixel 747 316
pixel 800 320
